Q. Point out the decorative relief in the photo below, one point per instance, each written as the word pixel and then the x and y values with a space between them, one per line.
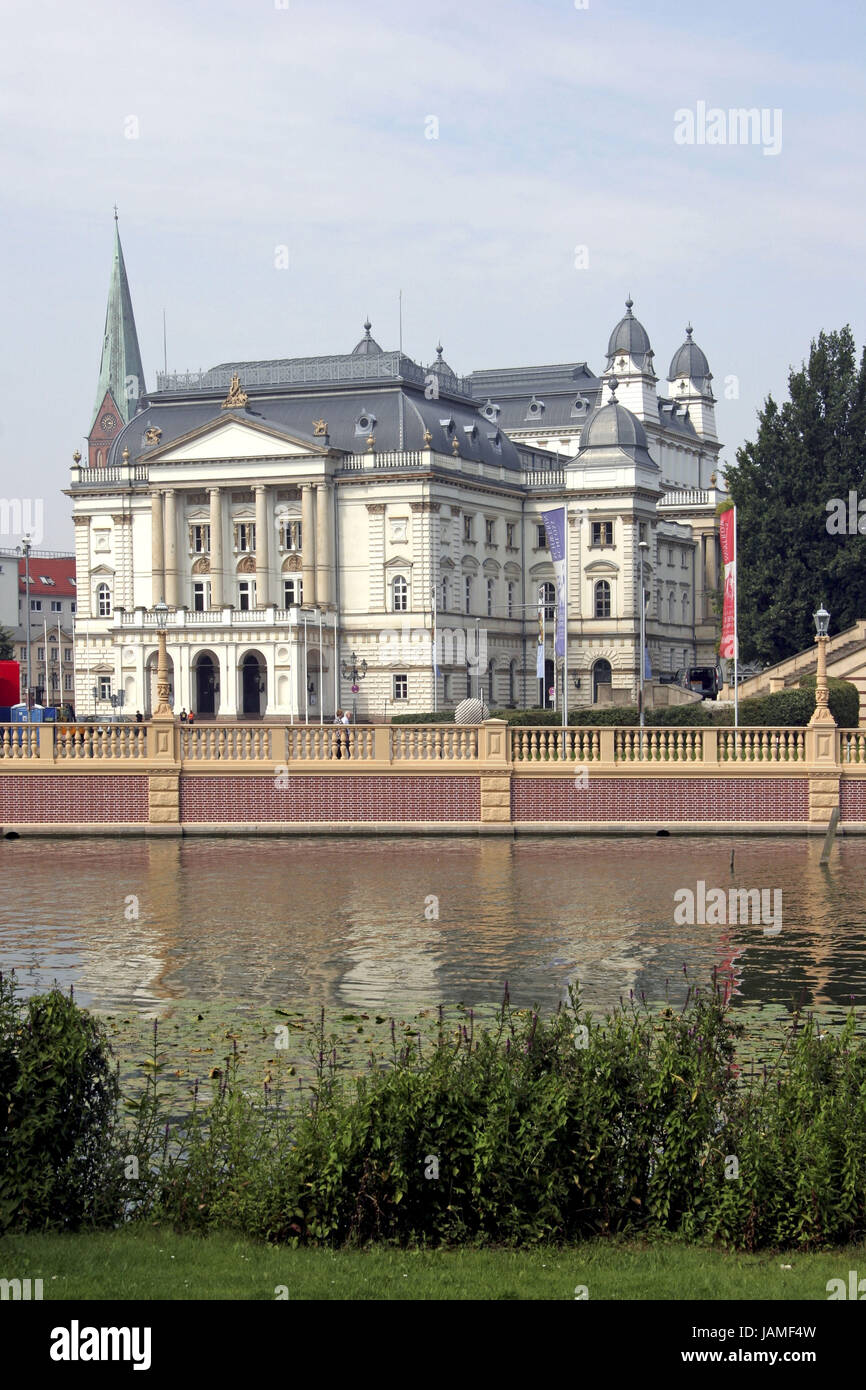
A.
pixel 320 427
pixel 237 398
pixel 152 434
pixel 248 496
pixel 247 565
pixel 292 564
pixel 201 566
pixel 375 507
pixel 399 528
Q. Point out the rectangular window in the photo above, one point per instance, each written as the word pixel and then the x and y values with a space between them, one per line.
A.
pixel 446 687
pixel 489 531
pixel 683 558
pixel 199 538
pixel 246 594
pixel 602 533
pixel 104 687
pixel 73 606
pixel 67 653
pixel 490 592
pixel 67 682
pixel 467 589
pixel 22 653
pixel 40 653
pixel 36 605
pixel 200 596
pixel 509 535
pixel 511 600
pixel 293 593
pixel 56 606
pixel 642 531
pixel 467 528
pixel 401 687
pixel 540 537
pixel 53 651
pixel 245 536
pixel 290 535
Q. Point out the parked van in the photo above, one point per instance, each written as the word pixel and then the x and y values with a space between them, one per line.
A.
pixel 705 681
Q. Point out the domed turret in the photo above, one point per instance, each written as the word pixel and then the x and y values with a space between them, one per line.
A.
pixel 367 346
pixel 688 361
pixel 630 339
pixel 612 428
pixel 440 366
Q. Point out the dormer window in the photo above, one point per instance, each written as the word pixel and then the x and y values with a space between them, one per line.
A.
pixel 534 410
pixel 448 425
pixel 580 406
pixel 495 441
pixel 490 411
pixel 471 432
pixel 365 423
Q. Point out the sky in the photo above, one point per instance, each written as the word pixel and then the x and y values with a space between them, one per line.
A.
pixel 515 168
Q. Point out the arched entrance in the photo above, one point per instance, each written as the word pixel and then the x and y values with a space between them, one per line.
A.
pixel 254 685
pixel 206 685
pixel 602 675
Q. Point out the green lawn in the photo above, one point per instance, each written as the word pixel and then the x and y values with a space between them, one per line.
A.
pixel 156 1264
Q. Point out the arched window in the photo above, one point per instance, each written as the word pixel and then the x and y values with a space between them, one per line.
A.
pixel 400 591
pixel 602 599
pixel 685 608
pixel 547 596
pixel 672 611
pixel 444 592
pixel 103 601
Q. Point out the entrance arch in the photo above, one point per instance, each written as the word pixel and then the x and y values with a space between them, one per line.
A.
pixel 206 685
pixel 253 679
pixel 602 674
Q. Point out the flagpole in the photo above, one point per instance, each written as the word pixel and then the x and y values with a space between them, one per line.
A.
pixel 45 697
pixel 433 649
pixel 555 661
pixel 736 634
pixel 321 674
pixel 565 634
pixel 306 677
pixel 59 666
pixel 539 648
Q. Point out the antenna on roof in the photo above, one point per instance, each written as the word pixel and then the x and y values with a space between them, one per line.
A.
pixel 164 346
pixel 401 322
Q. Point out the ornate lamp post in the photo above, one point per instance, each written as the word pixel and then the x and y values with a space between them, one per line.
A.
pixel 354 671
pixel 163 708
pixel 821 713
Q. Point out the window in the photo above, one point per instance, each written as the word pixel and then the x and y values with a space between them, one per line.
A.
pixel 642 531
pixel 540 537
pixel 40 653
pixel 53 653
pixel 56 606
pixel 200 596
pixel 446 687
pixel 685 608
pixel 46 579
pixel 400 592
pixel 36 605
pixel 444 593
pixel 511 588
pixel 22 653
pixel 72 606
pixel 602 533
pixel 246 594
pixel 67 653
pixel 245 536
pixel 104 687
pixel 401 687
pixel 199 538
pixel 602 599
pixel 489 531
pixel 293 593
pixel 547 596
pixel 467 593
pixel 103 601
pixel 672 615
pixel 67 682
pixel 670 555
pixel 467 528
pixel 512 685
pixel 509 535
pixel 290 535
pixel 490 595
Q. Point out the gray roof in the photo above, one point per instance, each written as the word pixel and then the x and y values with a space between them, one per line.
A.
pixel 121 359
pixel 613 429
pixel 689 361
pixel 629 336
pixel 538 399
pixel 367 346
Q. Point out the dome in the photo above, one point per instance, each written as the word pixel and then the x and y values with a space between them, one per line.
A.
pixel 629 336
pixel 440 365
pixel 612 427
pixel 689 361
pixel 367 346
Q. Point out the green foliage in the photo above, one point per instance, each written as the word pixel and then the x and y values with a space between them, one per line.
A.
pixel 58 1096
pixel 808 451
pixel 7 644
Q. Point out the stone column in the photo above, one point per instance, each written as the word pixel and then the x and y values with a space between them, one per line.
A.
pixel 172 587
pixel 157 554
pixel 216 548
pixel 263 586
pixel 308 550
pixel 324 556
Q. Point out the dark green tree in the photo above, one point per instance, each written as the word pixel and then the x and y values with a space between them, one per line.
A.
pixel 7 646
pixel 808 451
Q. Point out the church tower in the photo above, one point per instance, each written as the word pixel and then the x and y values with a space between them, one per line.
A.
pixel 121 375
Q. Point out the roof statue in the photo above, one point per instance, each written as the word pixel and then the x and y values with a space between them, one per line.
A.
pixel 237 397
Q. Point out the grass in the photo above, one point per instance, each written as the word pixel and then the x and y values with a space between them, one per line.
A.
pixel 147 1263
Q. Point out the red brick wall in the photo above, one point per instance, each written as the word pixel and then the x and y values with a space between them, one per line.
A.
pixel 852 799
pixel 660 799
pixel 104 799
pixel 349 798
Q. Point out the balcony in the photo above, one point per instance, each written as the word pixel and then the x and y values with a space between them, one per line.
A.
pixel 144 619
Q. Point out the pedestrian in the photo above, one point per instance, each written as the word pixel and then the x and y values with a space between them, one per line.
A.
pixel 138 716
pixel 346 721
pixel 338 720
pixel 183 716
pixel 190 719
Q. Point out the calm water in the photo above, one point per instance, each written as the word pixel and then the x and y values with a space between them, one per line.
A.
pixel 312 921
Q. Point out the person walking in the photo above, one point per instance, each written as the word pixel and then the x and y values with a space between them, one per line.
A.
pixel 139 717
pixel 190 719
pixel 346 720
pixel 338 720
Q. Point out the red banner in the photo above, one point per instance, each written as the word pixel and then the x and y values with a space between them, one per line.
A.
pixel 728 539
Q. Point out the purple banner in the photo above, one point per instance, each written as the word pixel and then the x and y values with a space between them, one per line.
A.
pixel 554 525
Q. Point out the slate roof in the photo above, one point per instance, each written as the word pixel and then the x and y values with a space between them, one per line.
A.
pixel 121 359
pixel 689 361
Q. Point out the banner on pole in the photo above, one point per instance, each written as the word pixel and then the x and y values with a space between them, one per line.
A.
pixel 554 525
pixel 728 539
pixel 539 649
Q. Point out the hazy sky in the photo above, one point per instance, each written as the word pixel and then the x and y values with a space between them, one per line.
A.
pixel 259 125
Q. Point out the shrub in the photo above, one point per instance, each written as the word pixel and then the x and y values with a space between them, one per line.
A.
pixel 58 1095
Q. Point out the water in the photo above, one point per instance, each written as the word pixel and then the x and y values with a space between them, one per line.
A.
pixel 351 921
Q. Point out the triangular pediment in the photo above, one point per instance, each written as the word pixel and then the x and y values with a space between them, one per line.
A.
pixel 232 438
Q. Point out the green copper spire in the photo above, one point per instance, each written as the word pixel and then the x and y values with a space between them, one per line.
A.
pixel 120 370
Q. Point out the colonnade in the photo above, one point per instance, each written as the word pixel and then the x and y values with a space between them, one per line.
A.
pixel 169 563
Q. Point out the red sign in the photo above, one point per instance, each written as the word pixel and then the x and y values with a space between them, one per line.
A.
pixel 728 539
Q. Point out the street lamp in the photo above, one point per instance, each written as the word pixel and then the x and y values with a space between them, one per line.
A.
pixel 643 546
pixel 24 547
pixel 163 709
pixel 354 671
pixel 821 713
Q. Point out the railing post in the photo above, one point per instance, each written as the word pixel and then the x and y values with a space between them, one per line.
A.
pixel 46 742
pixel 710 745
pixel 382 744
pixel 494 757
pixel 606 745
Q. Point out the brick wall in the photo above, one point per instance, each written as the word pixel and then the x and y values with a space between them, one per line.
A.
pixel 852 799
pixel 347 798
pixel 49 800
pixel 660 799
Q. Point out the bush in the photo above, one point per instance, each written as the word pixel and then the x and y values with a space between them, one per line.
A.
pixel 58 1097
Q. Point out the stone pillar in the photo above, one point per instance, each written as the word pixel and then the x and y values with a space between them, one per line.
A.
pixel 263 584
pixel 216 548
pixel 172 587
pixel 308 550
pixel 324 548
pixel 157 553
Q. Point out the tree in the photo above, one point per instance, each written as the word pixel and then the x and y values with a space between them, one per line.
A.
pixel 807 453
pixel 7 644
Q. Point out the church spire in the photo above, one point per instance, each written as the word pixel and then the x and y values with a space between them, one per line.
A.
pixel 120 372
